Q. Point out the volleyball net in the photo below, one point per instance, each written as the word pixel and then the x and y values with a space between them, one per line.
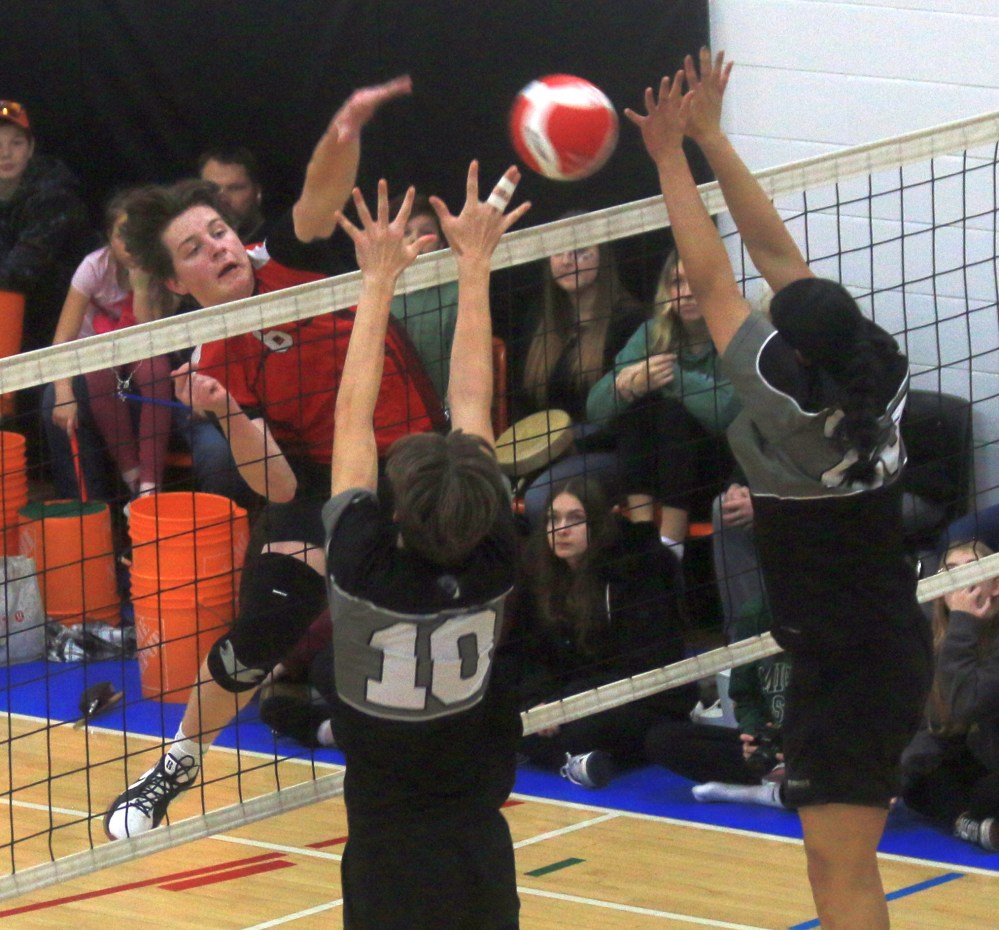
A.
pixel 909 225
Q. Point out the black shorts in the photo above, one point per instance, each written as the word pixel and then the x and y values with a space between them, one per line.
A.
pixel 300 520
pixel 448 873
pixel 849 715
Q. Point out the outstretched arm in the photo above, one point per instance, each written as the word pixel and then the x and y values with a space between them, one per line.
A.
pixel 382 254
pixel 705 260
pixel 473 235
pixel 332 170
pixel 256 453
pixel 770 245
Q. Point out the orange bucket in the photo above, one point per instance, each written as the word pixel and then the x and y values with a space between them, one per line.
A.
pixel 187 553
pixel 13 489
pixel 11 331
pixel 174 629
pixel 70 542
pixel 183 535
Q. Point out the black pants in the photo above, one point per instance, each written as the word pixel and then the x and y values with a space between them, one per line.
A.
pixel 699 752
pixel 959 784
pixel 667 454
pixel 434 873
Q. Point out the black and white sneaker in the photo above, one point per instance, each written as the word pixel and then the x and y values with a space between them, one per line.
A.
pixel 142 806
pixel 590 769
pixel 978 832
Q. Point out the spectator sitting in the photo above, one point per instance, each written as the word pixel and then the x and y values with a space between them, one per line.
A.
pixel 950 770
pixel 236 173
pixel 742 764
pixel 44 233
pixel 109 292
pixel 428 315
pixel 586 318
pixel 670 405
pixel 598 603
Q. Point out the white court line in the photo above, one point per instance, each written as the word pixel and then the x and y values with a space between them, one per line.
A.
pixel 288 918
pixel 752 834
pixel 632 909
pixel 276 847
pixel 582 825
pixel 606 814
pixel 47 808
pixel 164 741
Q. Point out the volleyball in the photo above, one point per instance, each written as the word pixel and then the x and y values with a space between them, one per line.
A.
pixel 563 127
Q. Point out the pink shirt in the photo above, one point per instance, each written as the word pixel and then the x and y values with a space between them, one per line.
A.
pixel 97 279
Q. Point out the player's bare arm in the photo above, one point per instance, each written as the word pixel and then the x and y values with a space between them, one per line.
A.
pixel 770 245
pixel 705 260
pixel 474 234
pixel 332 170
pixel 255 451
pixel 382 254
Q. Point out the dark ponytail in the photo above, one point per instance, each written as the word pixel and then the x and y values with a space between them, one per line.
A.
pixel 864 390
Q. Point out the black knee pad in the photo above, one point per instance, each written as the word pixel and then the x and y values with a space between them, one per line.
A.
pixel 279 598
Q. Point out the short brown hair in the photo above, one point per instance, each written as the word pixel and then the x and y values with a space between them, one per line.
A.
pixel 448 491
pixel 151 210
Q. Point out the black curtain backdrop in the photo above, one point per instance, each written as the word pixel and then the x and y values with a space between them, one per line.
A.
pixel 130 91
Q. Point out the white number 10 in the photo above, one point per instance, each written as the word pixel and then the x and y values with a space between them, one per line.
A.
pixel 401 664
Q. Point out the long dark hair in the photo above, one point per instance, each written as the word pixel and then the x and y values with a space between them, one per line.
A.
pixel 820 318
pixel 863 395
pixel 573 600
pixel 559 326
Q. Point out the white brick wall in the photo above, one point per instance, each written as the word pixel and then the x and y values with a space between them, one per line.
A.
pixel 814 76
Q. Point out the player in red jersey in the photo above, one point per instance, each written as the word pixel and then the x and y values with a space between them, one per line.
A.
pixel 276 384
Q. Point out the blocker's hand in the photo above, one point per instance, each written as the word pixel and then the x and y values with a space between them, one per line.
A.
pixel 475 232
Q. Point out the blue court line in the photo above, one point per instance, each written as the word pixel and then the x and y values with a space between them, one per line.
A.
pixel 894 895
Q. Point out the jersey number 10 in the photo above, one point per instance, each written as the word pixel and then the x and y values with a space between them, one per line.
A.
pixel 403 666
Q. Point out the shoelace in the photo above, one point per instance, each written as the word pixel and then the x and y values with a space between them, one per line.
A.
pixel 159 786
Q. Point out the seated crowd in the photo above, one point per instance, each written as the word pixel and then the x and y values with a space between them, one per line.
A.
pixel 601 581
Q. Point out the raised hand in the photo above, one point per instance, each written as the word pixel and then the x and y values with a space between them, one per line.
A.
pixel 664 123
pixel 362 105
pixel 979 600
pixel 474 233
pixel 703 102
pixel 380 242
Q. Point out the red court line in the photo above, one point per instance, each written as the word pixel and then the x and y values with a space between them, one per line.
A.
pixel 217 877
pixel 339 841
pixel 512 803
pixel 131 886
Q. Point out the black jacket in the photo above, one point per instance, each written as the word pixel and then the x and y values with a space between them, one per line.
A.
pixel 645 628
pixel 44 233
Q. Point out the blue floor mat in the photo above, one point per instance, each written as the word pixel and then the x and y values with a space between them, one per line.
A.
pixel 53 691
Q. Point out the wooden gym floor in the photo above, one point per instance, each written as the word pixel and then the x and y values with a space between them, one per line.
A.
pixel 639 854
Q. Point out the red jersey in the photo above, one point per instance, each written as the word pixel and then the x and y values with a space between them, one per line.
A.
pixel 289 374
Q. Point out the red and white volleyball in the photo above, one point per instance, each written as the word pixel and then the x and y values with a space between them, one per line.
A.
pixel 563 127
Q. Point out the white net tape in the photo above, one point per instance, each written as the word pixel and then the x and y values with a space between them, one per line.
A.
pixel 521 247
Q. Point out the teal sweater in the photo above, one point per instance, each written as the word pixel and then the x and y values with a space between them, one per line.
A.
pixel 697 383
pixel 429 317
